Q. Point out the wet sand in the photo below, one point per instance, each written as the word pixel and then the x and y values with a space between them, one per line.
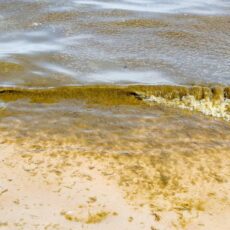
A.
pixel 112 167
pixel 48 188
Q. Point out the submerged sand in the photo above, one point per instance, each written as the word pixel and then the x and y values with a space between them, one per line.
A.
pixel 55 187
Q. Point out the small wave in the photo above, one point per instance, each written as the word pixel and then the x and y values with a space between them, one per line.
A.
pixel 204 106
pixel 212 101
pixel 163 6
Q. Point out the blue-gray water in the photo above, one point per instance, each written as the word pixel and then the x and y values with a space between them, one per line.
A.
pixel 51 43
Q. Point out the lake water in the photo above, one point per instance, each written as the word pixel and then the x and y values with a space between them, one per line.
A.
pixel 50 44
pixel 53 43
pixel 147 80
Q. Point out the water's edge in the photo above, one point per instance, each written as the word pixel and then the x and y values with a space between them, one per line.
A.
pixel 213 101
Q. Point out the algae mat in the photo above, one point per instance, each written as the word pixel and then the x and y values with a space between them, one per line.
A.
pixel 213 101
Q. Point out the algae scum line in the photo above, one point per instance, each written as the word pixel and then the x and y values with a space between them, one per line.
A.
pixel 212 101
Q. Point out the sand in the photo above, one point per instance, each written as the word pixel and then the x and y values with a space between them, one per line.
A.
pixel 31 198
pixel 44 190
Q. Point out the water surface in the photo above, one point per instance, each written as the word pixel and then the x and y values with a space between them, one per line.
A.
pixel 51 43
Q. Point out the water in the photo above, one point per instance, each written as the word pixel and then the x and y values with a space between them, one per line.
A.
pixel 164 6
pixel 77 42
pixel 117 77
pixel 49 44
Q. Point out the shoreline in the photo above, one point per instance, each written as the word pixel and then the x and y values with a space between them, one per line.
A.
pixel 210 101
pixel 52 189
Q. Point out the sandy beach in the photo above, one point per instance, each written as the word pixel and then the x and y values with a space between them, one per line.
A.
pixel 51 187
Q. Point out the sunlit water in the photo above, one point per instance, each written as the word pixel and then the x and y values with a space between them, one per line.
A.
pixel 77 42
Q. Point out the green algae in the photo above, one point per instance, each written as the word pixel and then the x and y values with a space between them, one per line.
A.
pixel 4 113
pixel 212 100
pixel 166 91
pixel 166 182
pixel 181 38
pixel 171 91
pixel 161 182
pixel 113 95
pixel 115 27
pixel 53 17
pixel 177 35
pixel 218 94
pixel 10 67
pixel 97 217
pixel 92 94
pixel 70 217
pixel 227 92
pixel 142 23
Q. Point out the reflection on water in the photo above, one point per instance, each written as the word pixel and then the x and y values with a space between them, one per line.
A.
pixel 20 43
pixel 163 6
pixel 127 77
pixel 176 160
pixel 61 42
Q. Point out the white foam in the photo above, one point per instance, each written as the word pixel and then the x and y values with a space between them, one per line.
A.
pixel 205 106
pixel 164 6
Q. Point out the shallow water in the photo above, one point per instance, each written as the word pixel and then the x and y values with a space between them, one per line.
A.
pixel 64 43
pixel 51 43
